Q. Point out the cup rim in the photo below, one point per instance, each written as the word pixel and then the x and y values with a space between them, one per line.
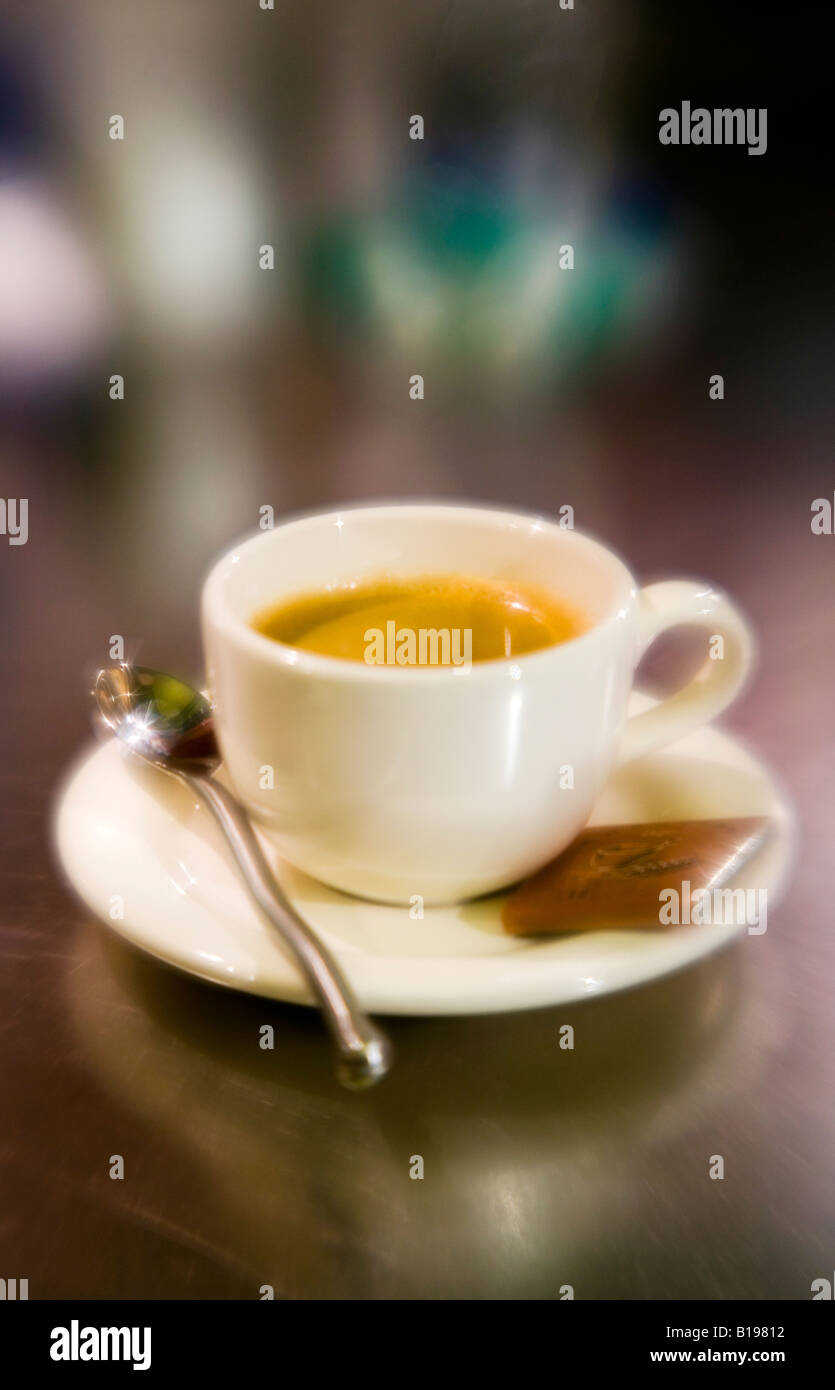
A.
pixel 216 611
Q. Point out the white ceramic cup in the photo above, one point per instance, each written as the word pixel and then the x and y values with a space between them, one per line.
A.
pixel 447 782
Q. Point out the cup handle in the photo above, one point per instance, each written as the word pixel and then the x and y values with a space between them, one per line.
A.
pixel 673 603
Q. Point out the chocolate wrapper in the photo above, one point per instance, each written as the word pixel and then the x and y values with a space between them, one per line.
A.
pixel 612 876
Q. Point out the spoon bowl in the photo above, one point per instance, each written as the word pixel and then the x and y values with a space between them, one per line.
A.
pixel 161 719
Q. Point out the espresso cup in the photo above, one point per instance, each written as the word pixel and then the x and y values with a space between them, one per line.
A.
pixel 440 784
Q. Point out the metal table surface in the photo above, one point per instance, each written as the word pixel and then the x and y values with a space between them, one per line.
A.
pixel 246 1167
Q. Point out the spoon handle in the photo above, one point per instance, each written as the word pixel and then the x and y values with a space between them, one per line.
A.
pixel 365 1053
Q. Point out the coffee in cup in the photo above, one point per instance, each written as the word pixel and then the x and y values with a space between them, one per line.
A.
pixel 426 620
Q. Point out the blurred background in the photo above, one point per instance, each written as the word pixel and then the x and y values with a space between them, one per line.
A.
pixel 253 378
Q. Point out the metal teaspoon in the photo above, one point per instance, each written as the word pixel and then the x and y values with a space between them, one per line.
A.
pixel 168 724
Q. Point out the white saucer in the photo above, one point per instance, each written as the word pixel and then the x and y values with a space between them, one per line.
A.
pixel 133 838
